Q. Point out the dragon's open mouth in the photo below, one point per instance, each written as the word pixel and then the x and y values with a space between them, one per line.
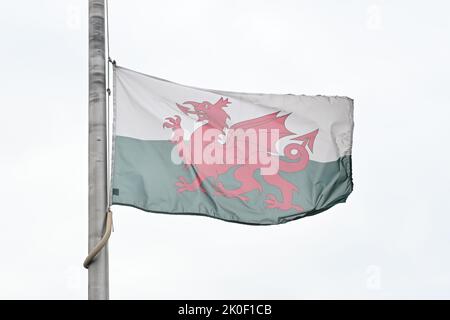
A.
pixel 195 109
pixel 211 113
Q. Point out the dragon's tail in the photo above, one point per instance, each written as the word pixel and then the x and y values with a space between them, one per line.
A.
pixel 298 153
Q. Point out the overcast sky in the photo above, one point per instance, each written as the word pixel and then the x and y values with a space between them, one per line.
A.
pixel 391 240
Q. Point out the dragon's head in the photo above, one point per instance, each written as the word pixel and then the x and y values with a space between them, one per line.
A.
pixel 207 111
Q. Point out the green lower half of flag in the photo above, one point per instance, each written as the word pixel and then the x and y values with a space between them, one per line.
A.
pixel 145 177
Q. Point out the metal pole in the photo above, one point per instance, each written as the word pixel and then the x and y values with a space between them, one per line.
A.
pixel 98 270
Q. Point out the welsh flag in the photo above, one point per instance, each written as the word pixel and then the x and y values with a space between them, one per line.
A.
pixel 241 157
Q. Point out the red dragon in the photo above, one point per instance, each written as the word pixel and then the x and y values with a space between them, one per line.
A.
pixel 214 118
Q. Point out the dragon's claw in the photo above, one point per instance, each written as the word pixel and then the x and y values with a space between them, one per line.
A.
pixel 173 123
pixel 273 203
pixel 183 185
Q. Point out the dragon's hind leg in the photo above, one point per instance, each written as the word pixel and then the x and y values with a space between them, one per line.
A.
pixel 183 185
pixel 287 191
pixel 197 184
pixel 244 175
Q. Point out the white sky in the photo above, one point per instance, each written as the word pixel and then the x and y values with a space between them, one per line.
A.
pixel 391 240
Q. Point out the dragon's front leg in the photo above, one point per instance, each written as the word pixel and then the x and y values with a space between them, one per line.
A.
pixel 183 185
pixel 174 123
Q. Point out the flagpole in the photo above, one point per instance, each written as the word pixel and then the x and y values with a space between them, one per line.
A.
pixel 98 282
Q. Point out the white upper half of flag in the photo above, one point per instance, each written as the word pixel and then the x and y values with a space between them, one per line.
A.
pixel 143 102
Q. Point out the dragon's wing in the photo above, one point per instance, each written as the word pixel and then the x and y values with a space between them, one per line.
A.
pixel 268 122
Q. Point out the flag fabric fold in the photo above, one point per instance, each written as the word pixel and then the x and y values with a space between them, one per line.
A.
pixel 241 157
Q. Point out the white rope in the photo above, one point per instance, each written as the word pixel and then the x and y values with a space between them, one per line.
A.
pixel 104 240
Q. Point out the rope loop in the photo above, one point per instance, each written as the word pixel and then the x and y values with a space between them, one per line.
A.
pixel 103 241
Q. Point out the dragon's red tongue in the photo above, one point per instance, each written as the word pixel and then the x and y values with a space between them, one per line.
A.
pixel 184 109
pixel 187 110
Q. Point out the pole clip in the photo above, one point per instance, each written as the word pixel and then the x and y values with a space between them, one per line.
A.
pixel 113 62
